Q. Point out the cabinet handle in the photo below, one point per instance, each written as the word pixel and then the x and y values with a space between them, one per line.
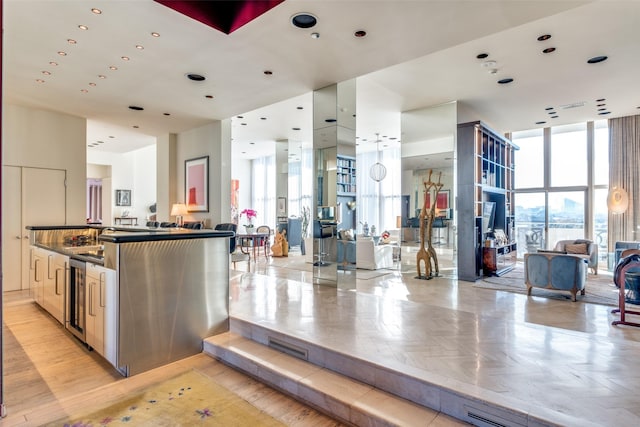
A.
pixel 102 285
pixel 58 292
pixel 91 286
pixel 49 259
pixel 36 263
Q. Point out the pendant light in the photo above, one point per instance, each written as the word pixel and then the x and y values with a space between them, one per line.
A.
pixel 618 201
pixel 378 171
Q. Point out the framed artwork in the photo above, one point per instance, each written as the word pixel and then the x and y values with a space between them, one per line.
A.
pixel 442 199
pixel 282 206
pixel 196 184
pixel 123 197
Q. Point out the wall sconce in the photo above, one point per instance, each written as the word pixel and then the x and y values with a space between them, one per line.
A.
pixel 179 210
pixel 617 201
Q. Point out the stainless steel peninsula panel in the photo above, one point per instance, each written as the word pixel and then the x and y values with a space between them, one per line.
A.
pixel 173 293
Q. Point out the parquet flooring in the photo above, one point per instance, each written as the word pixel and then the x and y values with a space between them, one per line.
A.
pixel 49 374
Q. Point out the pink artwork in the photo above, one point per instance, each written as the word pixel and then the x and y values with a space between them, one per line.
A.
pixel 197 184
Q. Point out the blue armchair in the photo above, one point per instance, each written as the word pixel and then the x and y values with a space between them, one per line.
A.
pixel 555 271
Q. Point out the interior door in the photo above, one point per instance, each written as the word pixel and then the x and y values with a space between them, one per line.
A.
pixel 30 196
pixel 12 231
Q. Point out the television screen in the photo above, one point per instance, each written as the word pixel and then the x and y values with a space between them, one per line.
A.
pixel 488 216
pixel 326 213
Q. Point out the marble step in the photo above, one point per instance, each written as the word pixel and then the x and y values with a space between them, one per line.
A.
pixel 343 398
pixel 256 349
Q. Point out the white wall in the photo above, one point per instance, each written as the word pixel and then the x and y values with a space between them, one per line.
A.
pixel 135 171
pixel 44 139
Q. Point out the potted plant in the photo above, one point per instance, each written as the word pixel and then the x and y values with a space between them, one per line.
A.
pixel 250 214
pixel 305 226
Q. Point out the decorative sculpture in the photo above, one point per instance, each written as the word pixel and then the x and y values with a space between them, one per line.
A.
pixel 280 245
pixel 427 214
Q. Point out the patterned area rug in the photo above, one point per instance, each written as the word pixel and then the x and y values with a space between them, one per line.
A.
pixel 599 289
pixel 189 399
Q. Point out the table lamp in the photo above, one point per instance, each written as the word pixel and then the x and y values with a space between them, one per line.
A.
pixel 179 210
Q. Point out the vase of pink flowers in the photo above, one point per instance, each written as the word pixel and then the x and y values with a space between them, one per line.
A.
pixel 250 214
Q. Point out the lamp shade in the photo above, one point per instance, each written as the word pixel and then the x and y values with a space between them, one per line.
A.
pixel 618 200
pixel 377 172
pixel 179 209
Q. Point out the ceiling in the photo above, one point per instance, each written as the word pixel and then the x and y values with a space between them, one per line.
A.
pixel 415 54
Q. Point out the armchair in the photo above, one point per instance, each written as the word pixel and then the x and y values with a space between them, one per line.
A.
pixel 585 249
pixel 371 256
pixel 555 271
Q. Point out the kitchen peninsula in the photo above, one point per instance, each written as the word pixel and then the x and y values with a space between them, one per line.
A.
pixel 140 297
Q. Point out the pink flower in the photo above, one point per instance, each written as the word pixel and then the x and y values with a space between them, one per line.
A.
pixel 250 213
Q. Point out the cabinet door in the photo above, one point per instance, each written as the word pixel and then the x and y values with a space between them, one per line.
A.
pixel 48 282
pixel 37 273
pixel 12 231
pixel 60 277
pixel 101 332
pixel 93 332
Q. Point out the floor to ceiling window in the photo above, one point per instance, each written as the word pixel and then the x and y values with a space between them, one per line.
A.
pixel 561 180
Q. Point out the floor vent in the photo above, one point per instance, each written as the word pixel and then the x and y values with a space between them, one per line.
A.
pixel 289 349
pixel 485 420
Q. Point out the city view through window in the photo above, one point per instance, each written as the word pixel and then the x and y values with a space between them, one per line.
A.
pixel 561 190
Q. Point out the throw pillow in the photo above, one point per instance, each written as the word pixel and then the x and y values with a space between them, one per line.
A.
pixel 348 235
pixel 577 249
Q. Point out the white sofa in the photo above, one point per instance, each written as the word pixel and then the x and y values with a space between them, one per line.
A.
pixel 371 256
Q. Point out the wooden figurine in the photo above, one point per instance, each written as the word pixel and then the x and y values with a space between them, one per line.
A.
pixel 428 255
pixel 280 245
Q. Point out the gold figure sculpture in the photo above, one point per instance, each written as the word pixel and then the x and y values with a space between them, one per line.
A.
pixel 428 255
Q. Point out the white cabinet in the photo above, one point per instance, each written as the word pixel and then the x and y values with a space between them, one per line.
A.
pixel 37 272
pixel 101 311
pixel 55 282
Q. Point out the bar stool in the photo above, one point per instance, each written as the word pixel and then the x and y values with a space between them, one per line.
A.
pixel 321 232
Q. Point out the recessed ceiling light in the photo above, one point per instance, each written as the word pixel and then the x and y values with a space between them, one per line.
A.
pixel 597 59
pixel 96 11
pixel 111 136
pixel 330 120
pixel 482 55
pixel 303 20
pixel 601 100
pixel 61 53
pixel 549 108
pixel 196 77
pixel 544 37
pixel 139 47
pixel 167 114
pixel 92 84
pixel 252 143
pixel 100 142
pixel 604 113
pixel 46 73
pixel 84 91
pixel 39 80
pixel 505 81
pixel 263 118
pixel 243 124
pixel 154 34
pixel 549 50
pixel 315 35
pixel 240 117
pixel 244 152
pixel 540 123
pixel 602 109
pixel 113 67
pixel 209 96
pixel 53 63
pixel 554 117
pixel 552 112
pixel 124 58
pixel 268 72
pixel 135 107
pixel 102 76
pixel 295 128
pixel 600 105
pixel 136 127
pixel 360 33
pixel 83 27
pixel 71 41
pixel 300 108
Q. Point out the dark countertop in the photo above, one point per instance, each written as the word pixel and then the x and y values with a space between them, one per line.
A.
pixel 167 234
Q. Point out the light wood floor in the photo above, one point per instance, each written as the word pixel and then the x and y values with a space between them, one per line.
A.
pixel 49 374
